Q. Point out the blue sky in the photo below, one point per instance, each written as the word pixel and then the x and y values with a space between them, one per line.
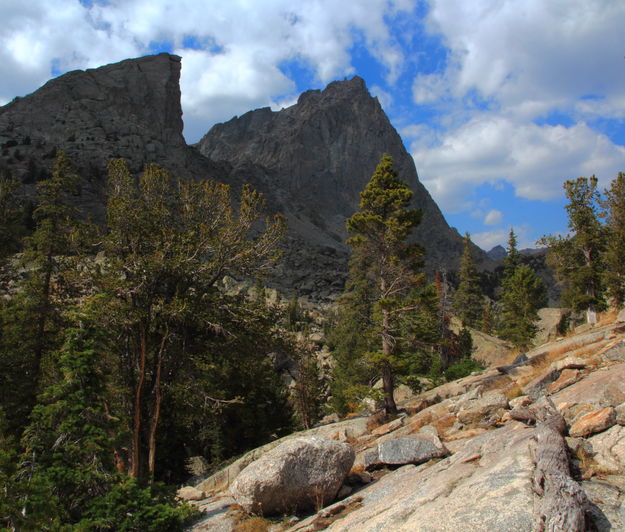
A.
pixel 498 101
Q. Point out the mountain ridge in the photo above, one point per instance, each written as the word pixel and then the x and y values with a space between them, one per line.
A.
pixel 310 160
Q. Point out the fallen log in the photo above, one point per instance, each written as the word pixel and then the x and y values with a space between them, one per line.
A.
pixel 562 500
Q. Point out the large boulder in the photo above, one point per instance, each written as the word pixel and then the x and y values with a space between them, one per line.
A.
pixel 301 473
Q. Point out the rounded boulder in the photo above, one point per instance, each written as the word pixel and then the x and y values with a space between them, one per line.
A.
pixel 300 474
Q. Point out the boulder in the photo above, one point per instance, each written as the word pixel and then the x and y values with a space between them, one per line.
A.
pixel 300 474
pixel 594 422
pixel 478 409
pixel 616 353
pixel 566 378
pixel 189 493
pixel 601 389
pixel 569 363
pixel 609 450
pixel 409 450
pixel 620 414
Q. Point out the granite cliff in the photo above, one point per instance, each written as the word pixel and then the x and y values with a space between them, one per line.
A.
pixel 471 454
pixel 318 154
pixel 311 160
pixel 129 109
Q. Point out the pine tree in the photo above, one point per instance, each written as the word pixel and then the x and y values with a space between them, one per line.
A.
pixel 523 294
pixel 168 244
pixel 468 299
pixel 380 230
pixel 578 258
pixel 31 321
pixel 12 228
pixel 615 233
pixel 68 436
pixel 513 257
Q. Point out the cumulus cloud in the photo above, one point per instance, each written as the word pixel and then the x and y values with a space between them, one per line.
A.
pixel 534 159
pixel 232 51
pixel 535 53
pixel 487 240
pixel 511 67
pixel 493 217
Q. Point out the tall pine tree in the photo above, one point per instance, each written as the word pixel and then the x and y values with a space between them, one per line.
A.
pixel 390 265
pixel 523 294
pixel 468 299
pixel 614 204
pixel 578 258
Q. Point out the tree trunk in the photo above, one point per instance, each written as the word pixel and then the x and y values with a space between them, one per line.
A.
pixel 387 382
pixel 387 372
pixel 156 414
pixel 136 425
pixel 561 508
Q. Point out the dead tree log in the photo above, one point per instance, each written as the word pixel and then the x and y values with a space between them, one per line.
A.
pixel 561 507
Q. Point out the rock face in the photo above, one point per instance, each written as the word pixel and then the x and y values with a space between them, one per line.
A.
pixel 493 472
pixel 301 473
pixel 129 109
pixel 311 160
pixel 317 156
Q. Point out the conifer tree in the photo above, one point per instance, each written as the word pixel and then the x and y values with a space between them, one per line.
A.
pixel 468 299
pixel 68 439
pixel 168 244
pixel 380 230
pixel 614 204
pixel 578 258
pixel 12 228
pixel 523 294
pixel 32 320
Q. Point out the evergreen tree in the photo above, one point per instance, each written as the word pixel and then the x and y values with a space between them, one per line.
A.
pixel 468 299
pixel 12 228
pixel 380 230
pixel 578 258
pixel 523 295
pixel 32 320
pixel 513 258
pixel 352 335
pixel 615 233
pixel 308 386
pixel 68 439
pixel 168 244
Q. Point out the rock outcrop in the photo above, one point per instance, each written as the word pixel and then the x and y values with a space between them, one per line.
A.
pixel 129 109
pixel 317 156
pixel 300 474
pixel 507 464
pixel 311 160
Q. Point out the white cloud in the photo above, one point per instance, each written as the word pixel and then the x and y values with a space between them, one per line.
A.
pixel 510 65
pixel 534 159
pixel 535 54
pixel 487 240
pixel 493 217
pixel 239 70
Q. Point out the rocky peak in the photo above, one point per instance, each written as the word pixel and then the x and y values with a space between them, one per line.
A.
pixel 129 109
pixel 317 156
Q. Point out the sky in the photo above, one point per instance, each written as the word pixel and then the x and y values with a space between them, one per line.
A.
pixel 498 101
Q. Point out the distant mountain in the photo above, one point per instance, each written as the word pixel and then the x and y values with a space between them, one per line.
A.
pixel 316 156
pixel 497 253
pixel 311 160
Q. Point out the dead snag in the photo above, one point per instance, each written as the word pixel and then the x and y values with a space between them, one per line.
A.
pixel 561 508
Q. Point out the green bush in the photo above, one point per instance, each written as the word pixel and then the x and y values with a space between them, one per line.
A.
pixel 465 366
pixel 130 507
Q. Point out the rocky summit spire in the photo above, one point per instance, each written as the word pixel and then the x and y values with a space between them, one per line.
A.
pixel 317 155
pixel 311 160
